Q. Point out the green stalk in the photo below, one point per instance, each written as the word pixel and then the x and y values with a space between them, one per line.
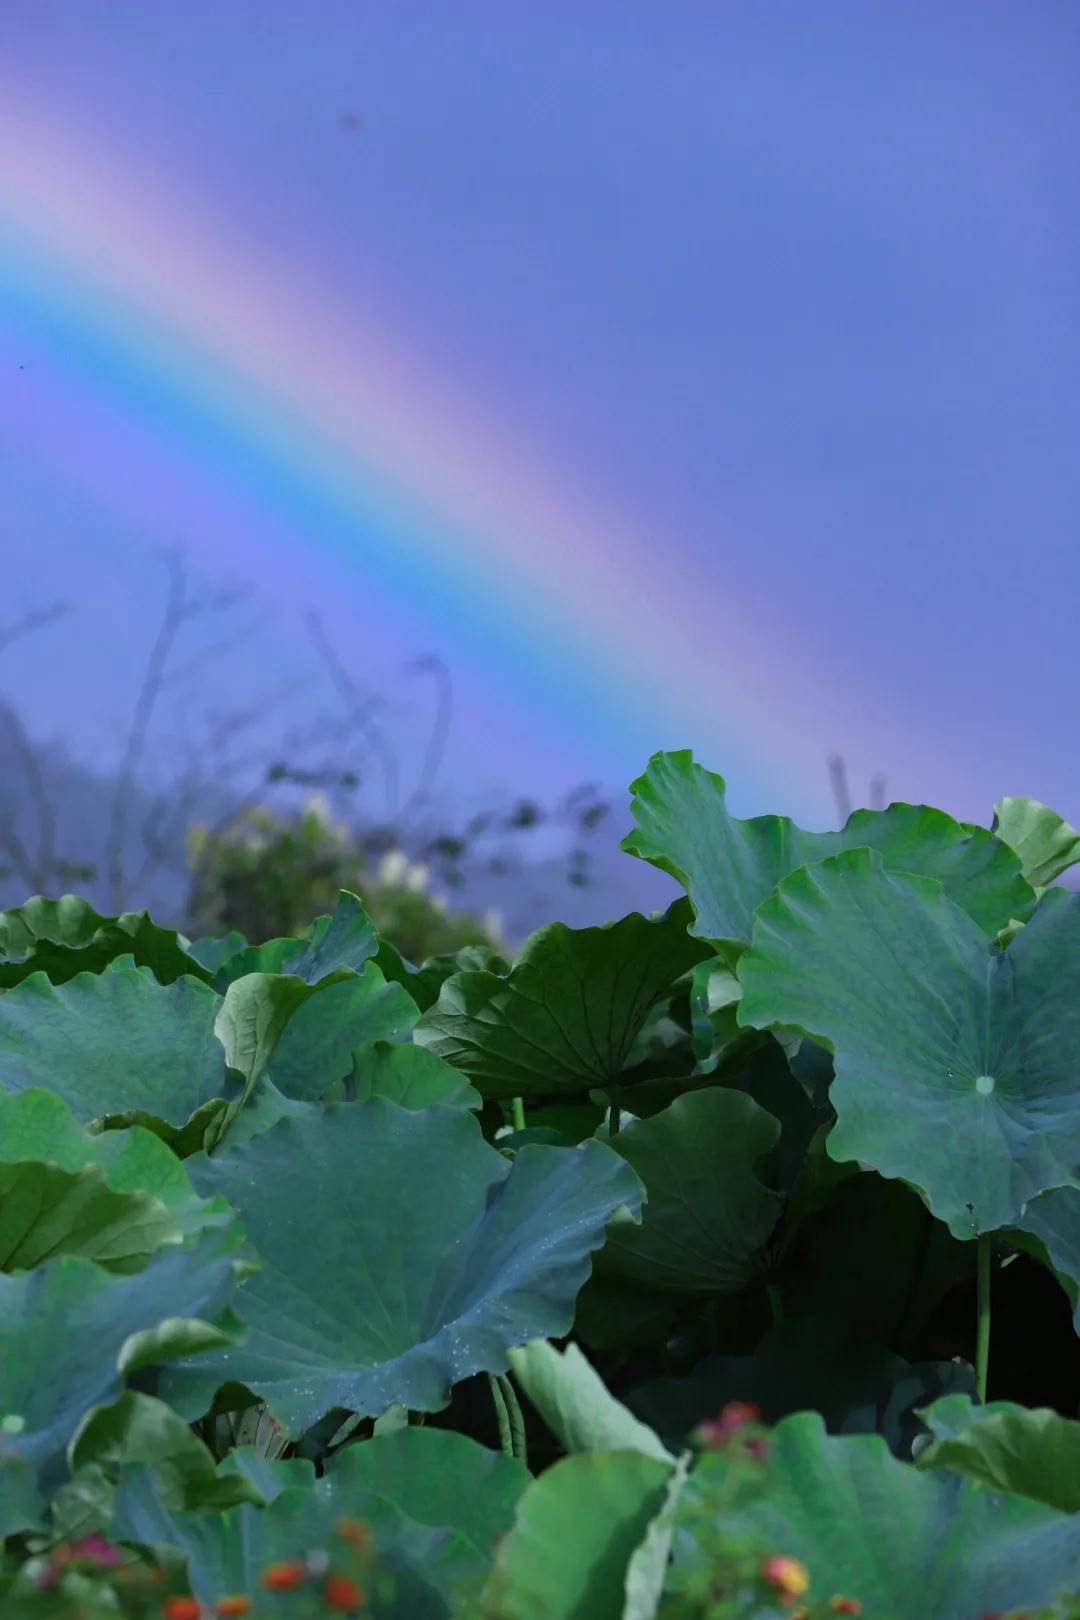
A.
pixel 982 1328
pixel 502 1416
pixel 776 1303
pixel 517 1112
pixel 517 1421
pixel 614 1112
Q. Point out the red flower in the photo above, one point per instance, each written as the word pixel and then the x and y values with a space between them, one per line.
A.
pixel 845 1605
pixel 342 1593
pixel 283 1577
pixel 181 1608
pixel 716 1432
pixel 232 1606
pixel 96 1550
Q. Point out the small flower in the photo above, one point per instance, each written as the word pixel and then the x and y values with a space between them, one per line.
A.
pixel 786 1575
pixel 232 1606
pixel 342 1593
pixel 845 1605
pixel 181 1608
pixel 716 1432
pixel 356 1533
pixel 283 1577
pixel 96 1550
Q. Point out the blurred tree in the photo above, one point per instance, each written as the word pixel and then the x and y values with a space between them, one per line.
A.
pixel 269 874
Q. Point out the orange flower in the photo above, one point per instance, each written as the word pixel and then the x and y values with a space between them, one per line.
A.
pixel 845 1605
pixel 283 1577
pixel 181 1608
pixel 342 1593
pixel 356 1533
pixel 786 1575
pixel 232 1605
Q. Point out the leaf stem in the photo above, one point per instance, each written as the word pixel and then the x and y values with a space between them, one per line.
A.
pixel 982 1328
pixel 517 1112
pixel 776 1303
pixel 518 1441
pixel 614 1112
pixel 502 1416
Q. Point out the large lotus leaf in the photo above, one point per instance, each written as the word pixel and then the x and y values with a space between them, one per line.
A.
pixel 646 1572
pixel 263 1106
pixel 21 1504
pixel 1054 1219
pixel 576 1405
pixel 425 982
pixel 38 1125
pixel 400 1254
pixel 807 1364
pixel 226 1553
pixel 411 1076
pixel 305 1035
pixel 67 936
pixel 567 1015
pixel 212 952
pixel 767 1075
pixel 616 1315
pixel 577 1529
pixel 955 1066
pixel 46 1211
pixel 268 1475
pixel 344 941
pixel 116 1044
pixel 435 1478
pixel 139 1431
pixel 69 1330
pixel 728 866
pixel 708 1217
pixel 832 1262
pixel 1044 841
pixel 663 1045
pixel 904 1542
pixel 1033 1453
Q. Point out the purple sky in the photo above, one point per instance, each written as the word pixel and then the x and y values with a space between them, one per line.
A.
pixel 794 289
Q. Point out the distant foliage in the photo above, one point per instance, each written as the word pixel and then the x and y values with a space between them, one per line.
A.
pixel 269 873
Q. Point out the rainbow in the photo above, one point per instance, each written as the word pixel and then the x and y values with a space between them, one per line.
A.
pixel 340 460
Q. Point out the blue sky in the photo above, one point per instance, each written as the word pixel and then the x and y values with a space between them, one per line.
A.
pixel 787 292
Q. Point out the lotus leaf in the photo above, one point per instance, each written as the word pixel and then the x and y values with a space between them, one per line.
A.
pixel 945 1076
pixel 728 866
pixel 567 1015
pixel 400 1254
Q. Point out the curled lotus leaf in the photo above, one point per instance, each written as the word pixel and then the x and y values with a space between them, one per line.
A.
pixel 728 866
pixel 400 1253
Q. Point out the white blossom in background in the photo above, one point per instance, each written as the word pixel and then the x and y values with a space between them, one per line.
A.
pixel 416 877
pixel 493 925
pixel 392 868
pixel 318 808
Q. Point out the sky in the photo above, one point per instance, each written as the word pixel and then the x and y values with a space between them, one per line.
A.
pixel 684 375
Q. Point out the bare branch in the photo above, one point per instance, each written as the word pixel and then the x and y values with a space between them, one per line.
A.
pixel 34 872
pixel 149 691
pixel 360 709
pixel 440 731
pixel 35 619
pixel 838 778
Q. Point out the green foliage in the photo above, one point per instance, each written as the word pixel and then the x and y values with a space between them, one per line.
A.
pixel 268 874
pixel 303 1229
